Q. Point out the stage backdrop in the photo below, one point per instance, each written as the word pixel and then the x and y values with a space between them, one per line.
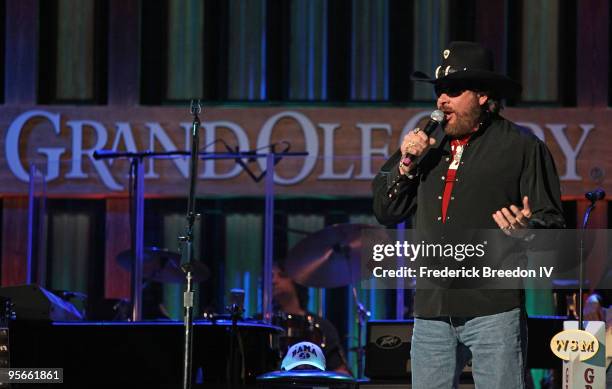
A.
pixel 346 147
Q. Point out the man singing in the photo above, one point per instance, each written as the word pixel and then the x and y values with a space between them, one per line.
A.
pixel 479 171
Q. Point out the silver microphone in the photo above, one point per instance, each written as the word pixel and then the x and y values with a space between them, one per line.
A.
pixel 436 117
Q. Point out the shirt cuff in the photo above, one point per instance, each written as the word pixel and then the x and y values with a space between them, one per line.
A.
pixel 396 181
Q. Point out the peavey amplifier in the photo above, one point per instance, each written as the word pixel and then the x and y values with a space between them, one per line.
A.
pixel 388 349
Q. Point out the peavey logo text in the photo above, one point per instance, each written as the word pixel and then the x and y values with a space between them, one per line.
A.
pixel 388 341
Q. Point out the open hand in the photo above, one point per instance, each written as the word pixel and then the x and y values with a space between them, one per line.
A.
pixel 514 220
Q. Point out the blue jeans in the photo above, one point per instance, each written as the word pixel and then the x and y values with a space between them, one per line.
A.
pixel 496 344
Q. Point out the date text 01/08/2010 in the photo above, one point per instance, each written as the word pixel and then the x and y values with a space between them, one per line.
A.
pixel 31 375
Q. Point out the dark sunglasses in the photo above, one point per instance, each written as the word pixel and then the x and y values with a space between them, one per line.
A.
pixel 450 91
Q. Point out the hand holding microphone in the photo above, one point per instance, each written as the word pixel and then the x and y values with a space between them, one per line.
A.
pixel 417 142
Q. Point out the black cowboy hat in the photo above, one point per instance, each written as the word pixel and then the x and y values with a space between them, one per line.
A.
pixel 469 65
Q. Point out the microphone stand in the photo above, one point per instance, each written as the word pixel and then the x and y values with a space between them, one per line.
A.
pixel 585 220
pixel 362 316
pixel 235 311
pixel 187 246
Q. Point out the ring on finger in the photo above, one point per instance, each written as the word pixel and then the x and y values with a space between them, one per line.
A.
pixel 416 130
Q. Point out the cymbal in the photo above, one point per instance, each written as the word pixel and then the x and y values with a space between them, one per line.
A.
pixel 162 265
pixel 330 257
pixel 69 294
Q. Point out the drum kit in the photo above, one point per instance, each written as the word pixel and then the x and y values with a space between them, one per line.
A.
pixel 331 258
pixel 328 258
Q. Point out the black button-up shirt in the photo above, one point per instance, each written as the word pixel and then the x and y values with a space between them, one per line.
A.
pixel 501 164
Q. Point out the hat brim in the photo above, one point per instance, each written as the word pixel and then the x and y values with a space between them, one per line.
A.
pixel 295 364
pixel 479 79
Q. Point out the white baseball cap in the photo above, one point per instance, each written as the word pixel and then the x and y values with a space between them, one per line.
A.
pixel 303 353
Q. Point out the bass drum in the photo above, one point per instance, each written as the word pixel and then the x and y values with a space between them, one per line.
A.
pixel 298 328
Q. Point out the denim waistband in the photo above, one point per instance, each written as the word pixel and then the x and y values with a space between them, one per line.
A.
pixel 455 321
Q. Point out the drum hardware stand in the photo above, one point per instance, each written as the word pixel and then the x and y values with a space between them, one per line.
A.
pixel 236 310
pixel 592 197
pixel 37 233
pixel 236 307
pixel 136 200
pixel 137 230
pixel 268 236
pixel 272 159
pixel 362 316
